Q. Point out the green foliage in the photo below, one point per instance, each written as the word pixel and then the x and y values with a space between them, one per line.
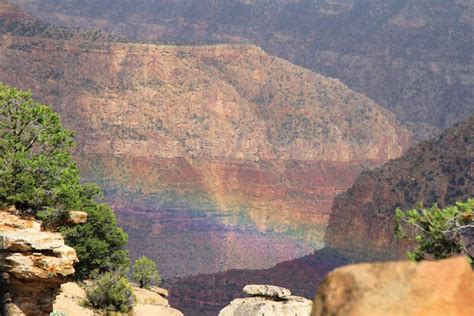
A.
pixel 111 292
pixel 39 177
pixel 99 243
pixel 438 232
pixel 37 170
pixel 145 272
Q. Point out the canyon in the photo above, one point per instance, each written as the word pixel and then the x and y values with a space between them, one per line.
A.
pixel 412 57
pixel 361 225
pixel 440 171
pixel 211 151
pixel 221 160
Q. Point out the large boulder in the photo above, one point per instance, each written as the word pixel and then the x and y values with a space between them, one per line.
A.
pixel 272 291
pixel 267 300
pixel 398 288
pixel 33 264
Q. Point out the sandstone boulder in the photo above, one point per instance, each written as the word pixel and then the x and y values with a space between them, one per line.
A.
pixel 33 264
pixel 160 291
pixel 267 291
pixel 267 300
pixel 148 297
pixel 398 288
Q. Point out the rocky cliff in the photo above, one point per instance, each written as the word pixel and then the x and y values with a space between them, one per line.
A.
pixel 33 264
pixel 207 148
pixel 361 224
pixel 413 57
pixel 439 171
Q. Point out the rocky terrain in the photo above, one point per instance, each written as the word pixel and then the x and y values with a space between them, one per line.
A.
pixel 211 148
pixel 413 57
pixel 207 294
pixel 438 171
pixel 150 302
pixel 439 288
pixel 33 265
pixel 267 300
pixel 361 226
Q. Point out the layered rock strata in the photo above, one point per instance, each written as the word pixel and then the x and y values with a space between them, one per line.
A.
pixel 33 264
pixel 439 171
pixel 210 148
pixel 441 288
pixel 414 57
pixel 361 226
pixel 268 300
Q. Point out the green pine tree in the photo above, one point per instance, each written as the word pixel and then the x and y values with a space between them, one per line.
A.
pixel 39 176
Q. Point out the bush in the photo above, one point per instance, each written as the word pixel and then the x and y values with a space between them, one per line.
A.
pixel 112 292
pixel 99 243
pixel 145 272
pixel 39 177
pixel 439 233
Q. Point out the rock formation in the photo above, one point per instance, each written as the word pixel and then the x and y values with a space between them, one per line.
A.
pixel 438 171
pixel 269 291
pixel 149 302
pixel 223 148
pixel 33 264
pixel 268 300
pixel 441 288
pixel 361 226
pixel 414 57
pixel 208 294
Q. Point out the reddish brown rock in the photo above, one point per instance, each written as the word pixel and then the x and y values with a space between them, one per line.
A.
pixel 414 57
pixel 439 171
pixel 439 288
pixel 252 144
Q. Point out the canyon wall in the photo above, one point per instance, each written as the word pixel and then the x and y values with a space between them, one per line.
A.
pixel 361 226
pixel 440 171
pixel 216 151
pixel 413 57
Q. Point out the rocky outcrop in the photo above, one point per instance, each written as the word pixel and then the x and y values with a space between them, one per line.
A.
pixel 33 264
pixel 439 288
pixel 208 294
pixel 414 57
pixel 223 150
pixel 149 302
pixel 268 300
pixel 439 171
pixel 269 291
